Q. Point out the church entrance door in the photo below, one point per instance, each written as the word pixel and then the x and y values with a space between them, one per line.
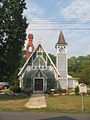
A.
pixel 38 84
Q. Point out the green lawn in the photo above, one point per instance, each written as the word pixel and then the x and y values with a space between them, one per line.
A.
pixel 70 104
pixel 61 104
pixel 13 102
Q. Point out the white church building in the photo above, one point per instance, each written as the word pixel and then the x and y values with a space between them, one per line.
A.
pixel 39 67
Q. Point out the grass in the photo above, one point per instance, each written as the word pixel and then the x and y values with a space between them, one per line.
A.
pixel 88 91
pixel 70 104
pixel 13 102
pixel 61 104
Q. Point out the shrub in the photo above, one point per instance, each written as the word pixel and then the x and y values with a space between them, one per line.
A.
pixel 27 91
pixel 71 90
pixel 64 90
pixel 83 93
pixel 17 89
pixel 77 90
pixel 11 88
pixel 58 91
pixel 51 84
pixel 27 83
pixel 47 92
pixel 88 92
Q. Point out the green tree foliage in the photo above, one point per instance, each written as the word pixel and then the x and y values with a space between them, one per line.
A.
pixel 77 90
pixel 23 59
pixel 12 37
pixel 51 84
pixel 27 83
pixel 80 67
pixel 53 58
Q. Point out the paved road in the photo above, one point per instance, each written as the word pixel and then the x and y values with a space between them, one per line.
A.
pixel 41 116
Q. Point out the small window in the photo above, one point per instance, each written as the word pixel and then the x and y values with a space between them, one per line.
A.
pixel 30 49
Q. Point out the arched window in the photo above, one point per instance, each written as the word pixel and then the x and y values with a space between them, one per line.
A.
pixel 39 62
pixel 30 49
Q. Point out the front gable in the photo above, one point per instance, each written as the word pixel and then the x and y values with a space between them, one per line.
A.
pixel 39 60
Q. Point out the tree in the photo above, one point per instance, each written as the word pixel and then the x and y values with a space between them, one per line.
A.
pixel 72 62
pixel 53 58
pixel 77 90
pixel 23 59
pixel 85 73
pixel 80 67
pixel 51 84
pixel 27 83
pixel 12 37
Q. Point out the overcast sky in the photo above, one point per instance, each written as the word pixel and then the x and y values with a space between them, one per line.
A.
pixel 76 13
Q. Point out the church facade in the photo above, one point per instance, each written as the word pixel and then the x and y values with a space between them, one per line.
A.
pixel 39 67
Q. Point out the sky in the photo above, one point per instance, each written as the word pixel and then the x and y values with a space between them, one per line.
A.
pixel 60 15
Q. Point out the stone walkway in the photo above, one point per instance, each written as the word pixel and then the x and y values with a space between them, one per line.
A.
pixel 36 101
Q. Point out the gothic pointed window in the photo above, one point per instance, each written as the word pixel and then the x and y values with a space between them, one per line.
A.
pixel 39 62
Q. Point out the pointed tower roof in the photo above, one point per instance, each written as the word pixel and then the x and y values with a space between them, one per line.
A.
pixel 61 39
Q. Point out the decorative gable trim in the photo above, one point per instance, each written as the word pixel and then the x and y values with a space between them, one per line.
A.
pixel 39 43
pixel 41 73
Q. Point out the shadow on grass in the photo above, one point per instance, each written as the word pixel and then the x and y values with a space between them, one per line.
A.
pixel 59 118
pixel 6 97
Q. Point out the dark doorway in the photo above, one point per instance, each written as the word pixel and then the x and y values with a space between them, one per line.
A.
pixel 39 84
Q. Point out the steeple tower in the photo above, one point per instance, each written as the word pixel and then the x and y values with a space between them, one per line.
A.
pixel 30 44
pixel 61 60
pixel 61 39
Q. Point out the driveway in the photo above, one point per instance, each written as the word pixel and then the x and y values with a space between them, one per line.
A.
pixel 41 116
pixel 36 101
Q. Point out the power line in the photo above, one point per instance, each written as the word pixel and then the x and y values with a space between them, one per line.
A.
pixel 54 20
pixel 62 18
pixel 87 29
pixel 36 22
pixel 59 23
